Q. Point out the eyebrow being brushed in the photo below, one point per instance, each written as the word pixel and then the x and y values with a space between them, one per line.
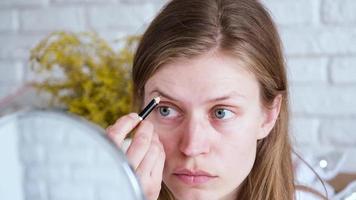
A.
pixel 225 97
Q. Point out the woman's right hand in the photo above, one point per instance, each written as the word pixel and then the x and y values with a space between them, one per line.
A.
pixel 145 153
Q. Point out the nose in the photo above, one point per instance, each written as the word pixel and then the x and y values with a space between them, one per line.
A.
pixel 195 138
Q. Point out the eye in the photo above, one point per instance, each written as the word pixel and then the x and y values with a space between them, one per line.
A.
pixel 167 112
pixel 222 113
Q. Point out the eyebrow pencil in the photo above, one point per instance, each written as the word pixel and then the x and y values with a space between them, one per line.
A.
pixel 148 109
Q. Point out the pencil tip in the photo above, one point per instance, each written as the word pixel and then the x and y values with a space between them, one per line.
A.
pixel 157 99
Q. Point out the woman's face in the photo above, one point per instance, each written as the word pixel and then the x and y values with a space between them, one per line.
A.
pixel 209 120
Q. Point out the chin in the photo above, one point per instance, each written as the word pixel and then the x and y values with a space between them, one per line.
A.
pixel 194 194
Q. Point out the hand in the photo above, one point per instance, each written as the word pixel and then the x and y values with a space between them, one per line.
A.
pixel 145 153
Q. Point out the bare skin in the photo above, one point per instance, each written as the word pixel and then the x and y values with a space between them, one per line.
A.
pixel 200 149
pixel 145 153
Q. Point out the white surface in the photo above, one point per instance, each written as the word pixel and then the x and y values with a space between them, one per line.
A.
pixel 63 157
pixel 10 166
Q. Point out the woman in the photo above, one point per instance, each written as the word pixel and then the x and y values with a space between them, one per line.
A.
pixel 221 129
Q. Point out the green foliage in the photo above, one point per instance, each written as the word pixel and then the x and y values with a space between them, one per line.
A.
pixel 94 80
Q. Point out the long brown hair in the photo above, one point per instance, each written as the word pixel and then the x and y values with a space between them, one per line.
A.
pixel 242 29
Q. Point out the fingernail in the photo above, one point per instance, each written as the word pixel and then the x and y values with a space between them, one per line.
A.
pixel 134 115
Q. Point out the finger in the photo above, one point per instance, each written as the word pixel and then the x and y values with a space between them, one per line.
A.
pixel 108 129
pixel 148 162
pixel 140 144
pixel 145 167
pixel 157 170
pixel 123 126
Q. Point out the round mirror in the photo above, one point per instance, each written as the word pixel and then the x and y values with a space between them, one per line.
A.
pixel 47 155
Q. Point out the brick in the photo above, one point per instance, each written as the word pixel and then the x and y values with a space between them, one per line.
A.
pixel 291 13
pixel 305 131
pixel 341 132
pixel 157 2
pixel 349 167
pixel 11 72
pixel 309 152
pixel 51 19
pixel 17 3
pixel 8 20
pixel 339 12
pixel 307 70
pixel 16 46
pixel 116 37
pixel 6 90
pixel 67 2
pixel 299 42
pixel 123 17
pixel 307 41
pixel 323 100
pixel 338 41
pixel 343 70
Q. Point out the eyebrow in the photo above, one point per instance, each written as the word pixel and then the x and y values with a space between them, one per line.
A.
pixel 228 96
pixel 163 94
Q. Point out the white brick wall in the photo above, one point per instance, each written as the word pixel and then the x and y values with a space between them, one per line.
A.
pixel 324 101
pixel 10 72
pixel 109 17
pixel 52 18
pixel 339 132
pixel 340 12
pixel 8 20
pixel 308 70
pixel 22 3
pixel 293 13
pixel 343 70
pixel 319 39
pixel 305 130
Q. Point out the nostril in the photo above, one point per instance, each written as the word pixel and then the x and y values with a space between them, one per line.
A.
pixel 195 138
pixel 194 148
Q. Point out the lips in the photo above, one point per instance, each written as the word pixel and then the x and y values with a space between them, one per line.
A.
pixel 193 177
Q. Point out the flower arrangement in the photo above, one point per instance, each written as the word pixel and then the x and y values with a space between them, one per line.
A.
pixel 83 74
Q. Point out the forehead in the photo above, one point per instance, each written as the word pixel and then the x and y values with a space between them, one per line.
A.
pixel 203 77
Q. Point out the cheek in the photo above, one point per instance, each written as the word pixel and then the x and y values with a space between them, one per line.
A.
pixel 170 146
pixel 237 149
pixel 167 133
pixel 240 138
pixel 169 139
pixel 238 157
pixel 242 128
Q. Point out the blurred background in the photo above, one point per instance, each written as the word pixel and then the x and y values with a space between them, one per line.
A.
pixel 319 39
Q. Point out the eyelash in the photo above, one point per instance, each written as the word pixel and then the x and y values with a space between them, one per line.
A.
pixel 165 106
pixel 214 109
pixel 223 108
